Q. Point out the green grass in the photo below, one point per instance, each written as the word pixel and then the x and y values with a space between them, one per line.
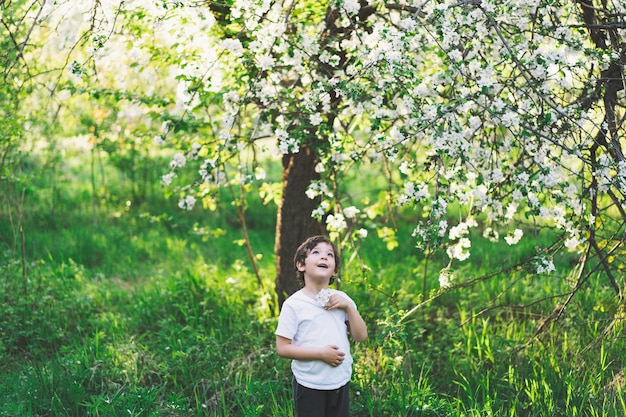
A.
pixel 154 312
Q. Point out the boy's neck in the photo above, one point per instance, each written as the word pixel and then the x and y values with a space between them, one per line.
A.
pixel 311 289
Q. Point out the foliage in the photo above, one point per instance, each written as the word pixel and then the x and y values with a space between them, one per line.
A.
pixel 471 170
pixel 453 130
pixel 183 329
pixel 460 127
pixel 147 315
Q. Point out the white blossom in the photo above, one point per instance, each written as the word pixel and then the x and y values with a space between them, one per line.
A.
pixel 259 174
pixel 491 234
pixel 462 229
pixel 517 195
pixel 413 193
pixel 195 148
pixel 459 250
pixel 445 278
pixel 336 222
pixel 439 207
pixel 514 238
pixel 442 228
pixel 316 119
pixel 323 296
pixel 266 62
pixel 533 200
pixel 351 6
pixel 286 144
pixel 187 202
pixel 167 178
pixel 320 210
pixel 234 46
pixel 178 161
pixel 572 243
pixel 351 212
pixel 544 265
pixel 511 209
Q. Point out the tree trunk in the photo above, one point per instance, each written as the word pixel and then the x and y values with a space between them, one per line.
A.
pixel 294 223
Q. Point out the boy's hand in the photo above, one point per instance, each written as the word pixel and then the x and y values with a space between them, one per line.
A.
pixel 332 355
pixel 337 301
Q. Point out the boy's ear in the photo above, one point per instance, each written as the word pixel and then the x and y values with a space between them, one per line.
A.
pixel 300 266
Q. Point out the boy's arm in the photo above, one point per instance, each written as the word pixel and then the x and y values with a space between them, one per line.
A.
pixel 356 324
pixel 329 354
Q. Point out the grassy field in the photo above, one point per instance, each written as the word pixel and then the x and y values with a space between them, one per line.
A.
pixel 148 311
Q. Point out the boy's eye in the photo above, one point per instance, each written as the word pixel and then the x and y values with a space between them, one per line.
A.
pixel 317 252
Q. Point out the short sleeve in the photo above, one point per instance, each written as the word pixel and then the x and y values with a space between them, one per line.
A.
pixel 350 300
pixel 287 322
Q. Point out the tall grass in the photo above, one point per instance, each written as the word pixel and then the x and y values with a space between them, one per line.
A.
pixel 152 312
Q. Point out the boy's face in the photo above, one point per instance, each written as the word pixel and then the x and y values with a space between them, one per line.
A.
pixel 319 263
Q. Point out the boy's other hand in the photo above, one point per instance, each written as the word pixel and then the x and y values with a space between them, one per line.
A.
pixel 332 355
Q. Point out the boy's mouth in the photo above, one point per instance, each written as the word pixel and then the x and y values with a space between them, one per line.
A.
pixel 322 265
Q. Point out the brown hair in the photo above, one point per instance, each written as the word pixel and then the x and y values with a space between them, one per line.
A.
pixel 305 248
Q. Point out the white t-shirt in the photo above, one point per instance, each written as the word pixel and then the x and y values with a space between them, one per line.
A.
pixel 306 323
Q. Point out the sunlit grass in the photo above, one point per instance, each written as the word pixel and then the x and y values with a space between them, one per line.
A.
pixel 152 312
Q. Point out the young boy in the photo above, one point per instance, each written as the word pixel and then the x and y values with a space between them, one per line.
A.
pixel 313 331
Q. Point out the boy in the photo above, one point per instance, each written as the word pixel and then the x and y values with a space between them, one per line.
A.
pixel 313 331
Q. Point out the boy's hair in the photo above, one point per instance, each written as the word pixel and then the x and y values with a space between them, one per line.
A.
pixel 305 248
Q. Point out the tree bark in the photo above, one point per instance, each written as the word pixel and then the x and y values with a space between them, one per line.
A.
pixel 294 222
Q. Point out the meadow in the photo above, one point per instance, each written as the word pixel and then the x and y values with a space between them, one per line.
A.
pixel 118 309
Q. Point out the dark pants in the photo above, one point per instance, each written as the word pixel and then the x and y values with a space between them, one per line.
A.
pixel 321 403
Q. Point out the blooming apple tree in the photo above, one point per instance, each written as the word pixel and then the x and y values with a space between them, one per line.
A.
pixel 491 119
pixel 487 119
